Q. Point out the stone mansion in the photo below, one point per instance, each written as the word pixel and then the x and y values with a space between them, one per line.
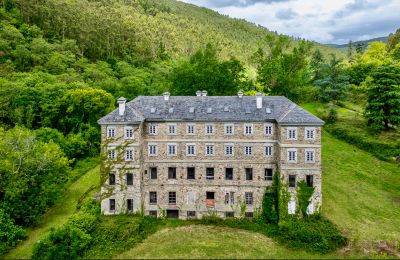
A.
pixel 188 156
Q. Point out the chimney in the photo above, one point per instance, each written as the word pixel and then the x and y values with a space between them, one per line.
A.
pixel 204 93
pixel 259 100
pixel 121 105
pixel 198 93
pixel 240 94
pixel 166 96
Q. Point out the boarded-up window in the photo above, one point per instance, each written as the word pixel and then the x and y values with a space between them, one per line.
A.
pixel 310 208
pixel 191 197
pixel 292 207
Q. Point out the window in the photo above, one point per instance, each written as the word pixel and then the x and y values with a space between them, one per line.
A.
pixel 152 149
pixel 111 179
pixel 171 149
pixel 210 195
pixel 128 132
pixel 268 174
pixel 268 150
pixel 268 129
pixel 153 213
pixel 248 214
pixel 209 130
pixel 112 204
pixel 190 149
pixel 248 198
pixel 230 198
pixel 292 133
pixel 111 132
pixel 292 181
pixel 111 153
pixel 129 204
pixel 309 156
pixel 310 133
pixel 248 129
pixel 209 149
pixel 229 214
pixel 129 179
pixel 228 129
pixel 292 155
pixel 153 197
pixel 229 151
pixel 190 129
pixel 129 154
pixel 249 174
pixel 310 180
pixel 210 173
pixel 172 197
pixel 228 173
pixel 292 207
pixel 153 173
pixel 191 197
pixel 248 150
pixel 191 173
pixel 171 172
pixel 191 214
pixel 152 129
pixel 172 129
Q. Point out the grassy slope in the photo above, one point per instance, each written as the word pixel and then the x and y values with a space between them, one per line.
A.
pixel 361 195
pixel 57 215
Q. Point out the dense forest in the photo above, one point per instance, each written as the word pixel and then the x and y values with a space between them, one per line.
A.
pixel 63 63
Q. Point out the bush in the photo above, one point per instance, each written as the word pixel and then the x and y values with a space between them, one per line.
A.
pixel 10 233
pixel 315 234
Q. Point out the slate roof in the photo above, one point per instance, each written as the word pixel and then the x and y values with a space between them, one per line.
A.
pixel 212 109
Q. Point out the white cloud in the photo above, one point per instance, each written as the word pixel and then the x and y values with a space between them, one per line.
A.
pixel 324 21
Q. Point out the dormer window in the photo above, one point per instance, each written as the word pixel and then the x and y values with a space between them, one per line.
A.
pixel 152 110
pixel 209 110
pixel 226 109
pixel 171 110
pixel 111 131
pixel 191 110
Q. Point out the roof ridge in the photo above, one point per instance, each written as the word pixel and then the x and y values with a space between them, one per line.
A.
pixel 292 106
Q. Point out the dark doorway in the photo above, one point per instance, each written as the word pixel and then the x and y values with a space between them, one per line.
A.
pixel 172 213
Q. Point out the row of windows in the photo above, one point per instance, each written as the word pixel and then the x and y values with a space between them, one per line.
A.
pixel 209 150
pixel 248 129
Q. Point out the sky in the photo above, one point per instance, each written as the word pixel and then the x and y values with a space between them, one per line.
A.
pixel 324 21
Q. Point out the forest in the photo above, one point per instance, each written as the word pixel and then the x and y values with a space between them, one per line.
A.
pixel 63 64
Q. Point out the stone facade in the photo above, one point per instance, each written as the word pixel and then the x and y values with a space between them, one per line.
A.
pixel 198 180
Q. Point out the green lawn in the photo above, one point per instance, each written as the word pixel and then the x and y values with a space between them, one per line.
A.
pixel 58 214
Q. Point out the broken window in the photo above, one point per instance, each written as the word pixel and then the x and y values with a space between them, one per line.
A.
pixel 129 179
pixel 129 204
pixel 172 197
pixel 171 172
pixel 310 180
pixel 268 174
pixel 292 181
pixel 249 174
pixel 111 179
pixel 191 214
pixel 153 197
pixel 228 173
pixel 248 198
pixel 153 173
pixel 112 204
pixel 210 173
pixel 191 173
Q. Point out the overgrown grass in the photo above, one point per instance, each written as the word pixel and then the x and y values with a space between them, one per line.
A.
pixel 62 210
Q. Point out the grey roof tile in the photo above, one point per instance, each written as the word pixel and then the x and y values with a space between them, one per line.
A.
pixel 212 108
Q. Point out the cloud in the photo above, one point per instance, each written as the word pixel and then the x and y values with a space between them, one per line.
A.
pixel 323 21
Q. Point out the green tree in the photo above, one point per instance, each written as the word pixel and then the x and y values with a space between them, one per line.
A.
pixel 393 40
pixel 9 232
pixel 383 108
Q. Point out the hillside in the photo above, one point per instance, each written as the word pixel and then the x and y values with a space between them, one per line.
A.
pixel 364 43
pixel 139 30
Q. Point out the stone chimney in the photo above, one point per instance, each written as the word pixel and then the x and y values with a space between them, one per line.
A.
pixel 198 93
pixel 121 105
pixel 204 93
pixel 166 96
pixel 240 94
pixel 259 100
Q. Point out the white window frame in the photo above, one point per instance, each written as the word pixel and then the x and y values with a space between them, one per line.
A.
pixel 194 149
pixel 175 150
pixel 150 129
pixel 155 148
pixel 248 150
pixel 271 147
pixel 251 127
pixel 172 126
pixel 309 129
pixel 232 126
pixel 265 129
pixel 206 151
pixel 194 129
pixel 206 126
pixel 233 149
pixel 249 197
pixel 306 157
pixel 126 129
pixel 114 131
pixel 114 152
pixel 288 130
pixel 295 155
pixel 132 153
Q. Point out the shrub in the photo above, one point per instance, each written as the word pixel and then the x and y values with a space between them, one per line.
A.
pixel 10 233
pixel 304 194
pixel 315 233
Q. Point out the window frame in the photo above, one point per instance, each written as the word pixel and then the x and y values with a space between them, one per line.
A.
pixel 174 173
pixel 175 149
pixel 248 198
pixel 172 198
pixel 266 176
pixel 206 149
pixel 153 200
pixel 150 129
pixel 268 148
pixel 187 173
pixel 310 180
pixel 210 177
pixel 309 129
pixel 248 174
pixel 271 128
pixel 126 129
pixel 114 178
pixel 172 126
pixel 232 126
pixel 151 173
pixel 251 127
pixel 129 201
pixel 126 179
pixel 113 151
pixel 248 150
pixel 206 126
pixel 190 125
pixel 226 173
pixel 194 149
pixel 129 154
pixel 111 205
pixel 233 149
pixel 292 180
pixel 288 131
pixel 149 149
pixel 295 155
pixel 114 131
pixel 306 151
